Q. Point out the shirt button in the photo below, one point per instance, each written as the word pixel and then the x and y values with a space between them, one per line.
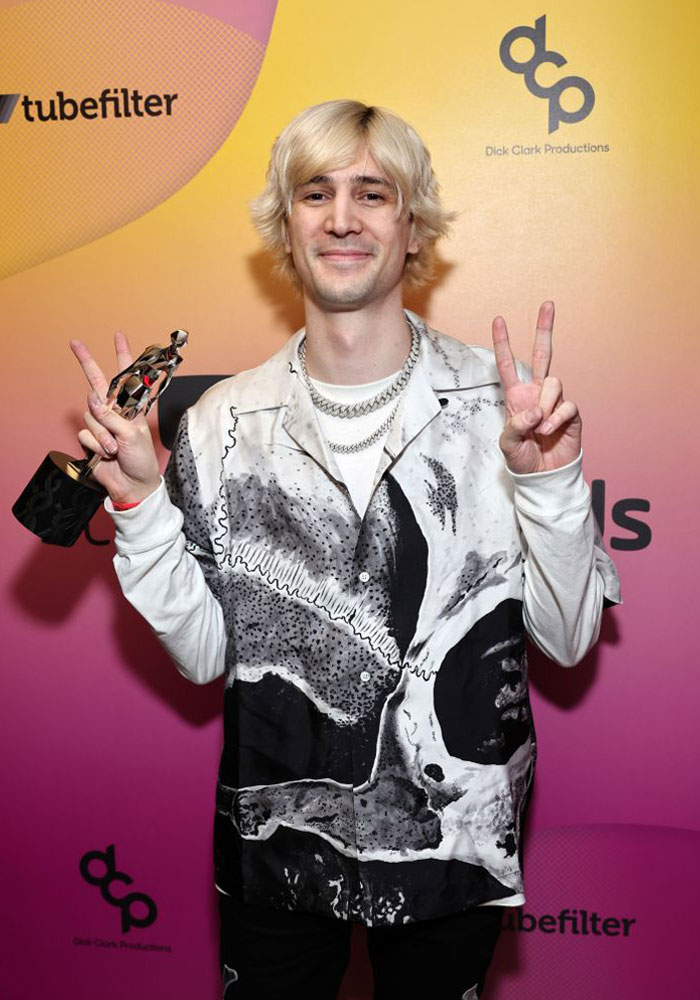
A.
pixel 364 576
pixel 365 675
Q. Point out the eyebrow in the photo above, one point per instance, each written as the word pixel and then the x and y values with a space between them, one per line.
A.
pixel 356 179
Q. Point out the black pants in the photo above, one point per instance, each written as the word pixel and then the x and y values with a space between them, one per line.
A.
pixel 274 954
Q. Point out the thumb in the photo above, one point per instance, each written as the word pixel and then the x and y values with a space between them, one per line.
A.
pixel 519 427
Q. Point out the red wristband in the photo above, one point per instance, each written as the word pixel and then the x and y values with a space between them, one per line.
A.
pixel 125 506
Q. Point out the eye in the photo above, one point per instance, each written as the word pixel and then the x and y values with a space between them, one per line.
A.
pixel 315 196
pixel 372 197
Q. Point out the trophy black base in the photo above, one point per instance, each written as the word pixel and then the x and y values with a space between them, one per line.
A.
pixel 57 504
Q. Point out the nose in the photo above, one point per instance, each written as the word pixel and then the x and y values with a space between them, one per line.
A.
pixel 343 215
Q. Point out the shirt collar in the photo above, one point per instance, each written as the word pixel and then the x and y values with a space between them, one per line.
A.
pixel 445 364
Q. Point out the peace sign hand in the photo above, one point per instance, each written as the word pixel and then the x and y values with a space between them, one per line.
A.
pixel 542 430
pixel 128 469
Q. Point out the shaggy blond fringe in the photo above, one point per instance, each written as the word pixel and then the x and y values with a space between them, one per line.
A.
pixel 327 137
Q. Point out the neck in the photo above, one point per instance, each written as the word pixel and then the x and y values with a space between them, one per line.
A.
pixel 354 347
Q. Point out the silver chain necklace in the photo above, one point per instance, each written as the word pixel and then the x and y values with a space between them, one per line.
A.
pixel 347 411
pixel 350 449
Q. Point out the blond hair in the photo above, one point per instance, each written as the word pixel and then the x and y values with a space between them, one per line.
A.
pixel 327 137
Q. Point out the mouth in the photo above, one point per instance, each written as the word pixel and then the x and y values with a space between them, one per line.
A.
pixel 345 253
pixel 345 256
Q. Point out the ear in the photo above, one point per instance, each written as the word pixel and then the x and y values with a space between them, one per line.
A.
pixel 285 236
pixel 414 244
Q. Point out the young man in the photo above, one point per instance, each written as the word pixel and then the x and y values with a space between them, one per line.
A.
pixel 342 536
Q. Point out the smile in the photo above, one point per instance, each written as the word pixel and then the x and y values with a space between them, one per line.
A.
pixel 345 256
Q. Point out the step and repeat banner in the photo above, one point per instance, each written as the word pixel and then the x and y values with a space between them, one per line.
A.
pixel 132 138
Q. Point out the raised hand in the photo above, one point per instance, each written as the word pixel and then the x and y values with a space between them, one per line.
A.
pixel 128 469
pixel 542 430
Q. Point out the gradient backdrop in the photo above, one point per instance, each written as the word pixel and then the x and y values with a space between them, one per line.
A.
pixel 141 224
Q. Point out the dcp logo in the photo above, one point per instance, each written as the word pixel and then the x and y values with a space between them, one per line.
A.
pixel 541 55
pixel 105 880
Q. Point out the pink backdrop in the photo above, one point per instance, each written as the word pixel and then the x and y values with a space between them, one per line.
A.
pixel 142 225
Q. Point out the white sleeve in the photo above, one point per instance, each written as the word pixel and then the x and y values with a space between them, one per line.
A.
pixel 568 574
pixel 160 574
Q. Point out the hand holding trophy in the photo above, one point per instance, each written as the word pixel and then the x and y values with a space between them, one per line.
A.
pixel 64 493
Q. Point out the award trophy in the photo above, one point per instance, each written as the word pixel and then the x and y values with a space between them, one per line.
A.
pixel 62 495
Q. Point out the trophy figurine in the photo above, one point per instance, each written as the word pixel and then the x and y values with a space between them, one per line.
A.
pixel 63 495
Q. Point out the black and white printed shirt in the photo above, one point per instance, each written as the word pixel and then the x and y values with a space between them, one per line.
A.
pixel 378 739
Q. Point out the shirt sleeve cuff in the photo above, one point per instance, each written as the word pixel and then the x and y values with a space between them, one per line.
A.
pixel 154 521
pixel 552 492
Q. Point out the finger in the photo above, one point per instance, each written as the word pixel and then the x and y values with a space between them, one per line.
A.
pixel 107 441
pixel 123 431
pixel 93 372
pixel 121 346
pixel 519 427
pixel 505 362
pixel 563 416
pixel 108 417
pixel 542 348
pixel 550 395
pixel 91 444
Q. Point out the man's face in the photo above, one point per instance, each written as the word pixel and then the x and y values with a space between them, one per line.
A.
pixel 348 246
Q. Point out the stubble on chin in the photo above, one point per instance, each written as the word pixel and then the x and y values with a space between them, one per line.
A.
pixel 342 290
pixel 345 294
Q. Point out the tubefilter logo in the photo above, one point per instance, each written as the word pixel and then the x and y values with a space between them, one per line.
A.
pixel 111 102
pixel 529 67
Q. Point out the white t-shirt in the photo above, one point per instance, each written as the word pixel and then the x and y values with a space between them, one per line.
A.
pixel 358 468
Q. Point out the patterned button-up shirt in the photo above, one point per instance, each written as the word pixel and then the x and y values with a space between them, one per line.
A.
pixel 379 744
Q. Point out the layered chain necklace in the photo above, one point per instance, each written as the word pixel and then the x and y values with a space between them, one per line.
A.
pixel 348 411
